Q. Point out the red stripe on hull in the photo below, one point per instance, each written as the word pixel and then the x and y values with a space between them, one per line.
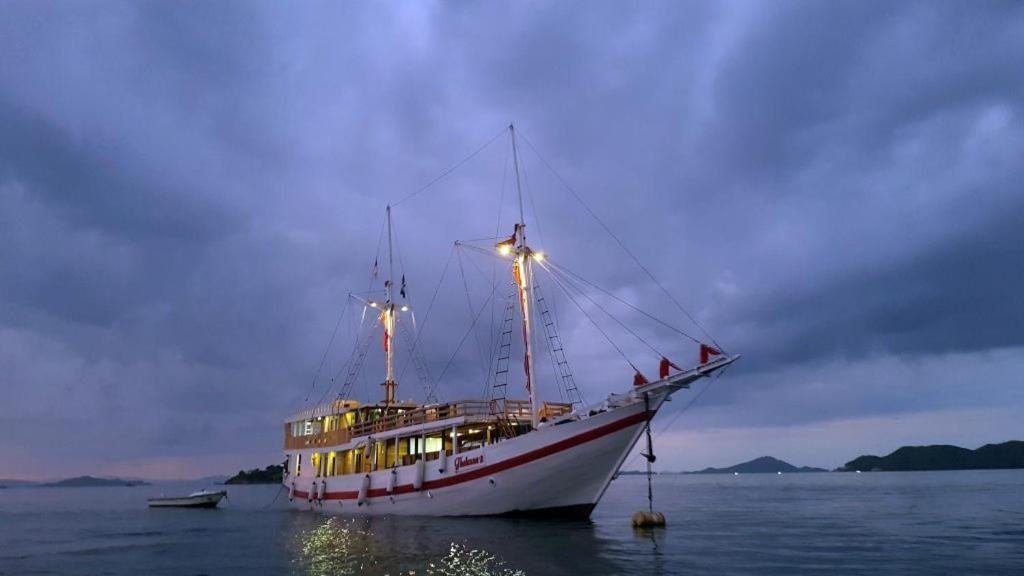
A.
pixel 500 466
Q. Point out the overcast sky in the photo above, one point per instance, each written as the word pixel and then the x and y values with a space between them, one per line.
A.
pixel 188 192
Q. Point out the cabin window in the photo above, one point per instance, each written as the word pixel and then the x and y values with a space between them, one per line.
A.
pixel 298 464
pixel 379 455
pixel 346 462
pixel 315 461
pixel 390 448
pixel 448 437
pixel 433 443
pixel 471 437
pixel 407 451
pixel 433 446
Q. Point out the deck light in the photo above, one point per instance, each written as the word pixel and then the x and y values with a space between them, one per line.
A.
pixel 538 256
pixel 405 308
pixel 504 249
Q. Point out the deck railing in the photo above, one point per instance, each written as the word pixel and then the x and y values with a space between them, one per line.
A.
pixel 332 438
pixel 472 410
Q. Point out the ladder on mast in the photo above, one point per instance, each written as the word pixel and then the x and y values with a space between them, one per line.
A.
pixel 355 365
pixel 557 351
pixel 499 391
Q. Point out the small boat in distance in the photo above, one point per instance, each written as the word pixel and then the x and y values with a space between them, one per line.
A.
pixel 200 499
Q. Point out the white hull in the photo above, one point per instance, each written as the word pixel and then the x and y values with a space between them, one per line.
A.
pixel 560 469
pixel 198 500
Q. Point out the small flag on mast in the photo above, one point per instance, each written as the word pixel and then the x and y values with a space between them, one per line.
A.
pixel 375 267
pixel 706 352
pixel 510 241
pixel 402 291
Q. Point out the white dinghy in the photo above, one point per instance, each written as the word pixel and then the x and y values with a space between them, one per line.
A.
pixel 201 499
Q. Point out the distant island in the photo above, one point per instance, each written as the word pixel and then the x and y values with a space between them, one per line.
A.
pixel 93 482
pixel 762 465
pixel 942 457
pixel 272 474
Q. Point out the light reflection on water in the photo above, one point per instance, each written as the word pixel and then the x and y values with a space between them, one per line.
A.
pixel 336 548
pixel 339 547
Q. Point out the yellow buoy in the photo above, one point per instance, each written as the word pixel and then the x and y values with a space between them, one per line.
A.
pixel 648 519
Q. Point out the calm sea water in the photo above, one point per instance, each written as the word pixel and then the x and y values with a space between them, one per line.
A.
pixel 879 523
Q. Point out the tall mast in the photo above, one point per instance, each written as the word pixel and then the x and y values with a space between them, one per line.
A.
pixel 524 265
pixel 389 321
pixel 519 188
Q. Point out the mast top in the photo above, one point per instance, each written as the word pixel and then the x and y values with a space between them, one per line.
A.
pixel 519 187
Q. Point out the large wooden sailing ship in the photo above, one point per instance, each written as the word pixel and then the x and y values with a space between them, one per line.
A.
pixel 475 457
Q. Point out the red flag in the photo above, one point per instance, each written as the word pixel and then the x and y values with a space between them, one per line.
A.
pixel 638 379
pixel 706 352
pixel 663 367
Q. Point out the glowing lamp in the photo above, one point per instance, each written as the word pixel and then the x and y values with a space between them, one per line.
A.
pixel 504 249
pixel 538 256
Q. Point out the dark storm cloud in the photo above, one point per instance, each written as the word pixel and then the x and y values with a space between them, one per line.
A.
pixel 187 193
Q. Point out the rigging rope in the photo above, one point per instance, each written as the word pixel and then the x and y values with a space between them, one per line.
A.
pixel 464 337
pixel 330 343
pixel 356 351
pixel 426 317
pixel 592 321
pixel 493 341
pixel 568 272
pixel 451 169
pixel 620 242
pixel 681 411
pixel 469 309
pixel 609 314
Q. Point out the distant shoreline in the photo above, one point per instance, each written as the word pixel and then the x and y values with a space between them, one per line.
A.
pixel 1005 456
pixel 935 458
pixel 76 482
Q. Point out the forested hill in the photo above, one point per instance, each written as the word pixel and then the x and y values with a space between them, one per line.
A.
pixel 270 475
pixel 762 465
pixel 943 457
